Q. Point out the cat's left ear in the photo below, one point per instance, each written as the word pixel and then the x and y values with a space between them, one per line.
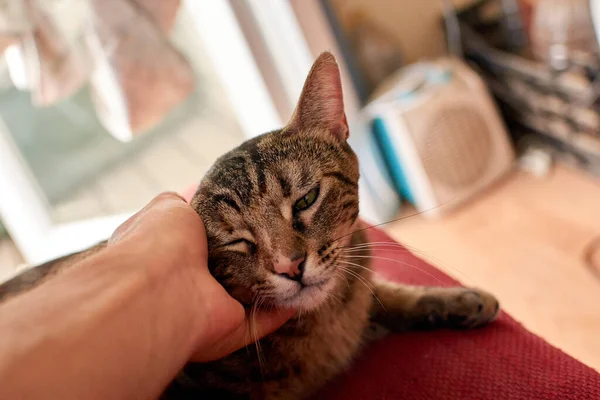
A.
pixel 321 105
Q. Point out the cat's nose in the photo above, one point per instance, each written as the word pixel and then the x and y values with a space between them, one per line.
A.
pixel 290 268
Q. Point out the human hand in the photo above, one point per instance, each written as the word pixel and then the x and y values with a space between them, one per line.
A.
pixel 172 234
pixel 122 322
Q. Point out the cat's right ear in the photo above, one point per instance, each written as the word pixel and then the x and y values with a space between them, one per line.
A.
pixel 321 105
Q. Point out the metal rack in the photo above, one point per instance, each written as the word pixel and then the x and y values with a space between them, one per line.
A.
pixel 540 103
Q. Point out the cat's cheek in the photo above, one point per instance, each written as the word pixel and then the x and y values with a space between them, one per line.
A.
pixel 343 232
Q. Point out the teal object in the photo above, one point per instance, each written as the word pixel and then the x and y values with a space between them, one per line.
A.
pixel 406 95
pixel 391 158
pixel 439 76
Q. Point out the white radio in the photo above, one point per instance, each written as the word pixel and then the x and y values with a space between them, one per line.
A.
pixel 439 134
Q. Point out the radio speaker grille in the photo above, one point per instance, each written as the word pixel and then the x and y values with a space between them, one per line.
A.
pixel 456 147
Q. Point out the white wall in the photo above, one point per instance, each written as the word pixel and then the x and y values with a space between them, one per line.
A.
pixel 414 24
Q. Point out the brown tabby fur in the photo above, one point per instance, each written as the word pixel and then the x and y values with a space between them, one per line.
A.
pixel 247 204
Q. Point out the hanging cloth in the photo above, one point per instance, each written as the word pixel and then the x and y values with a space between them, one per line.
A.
pixel 139 76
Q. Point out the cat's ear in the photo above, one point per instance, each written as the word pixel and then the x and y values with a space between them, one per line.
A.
pixel 321 105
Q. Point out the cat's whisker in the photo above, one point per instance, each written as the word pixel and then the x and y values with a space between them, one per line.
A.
pixel 252 325
pixel 354 273
pixel 333 296
pixel 369 250
pixel 368 244
pixel 398 262
pixel 337 273
pixel 319 310
pixel 388 246
pixel 250 330
pixel 343 258
pixel 392 220
pixel 254 330
pixel 375 247
pixel 402 248
pixel 364 282
pixel 361 279
pixel 385 246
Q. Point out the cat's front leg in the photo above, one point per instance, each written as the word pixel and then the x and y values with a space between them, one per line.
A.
pixel 403 307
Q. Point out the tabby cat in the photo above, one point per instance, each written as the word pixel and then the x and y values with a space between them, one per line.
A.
pixel 281 216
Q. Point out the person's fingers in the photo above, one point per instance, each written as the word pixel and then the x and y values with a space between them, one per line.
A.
pixel 165 199
pixel 263 323
pixel 169 227
pixel 167 231
pixel 256 326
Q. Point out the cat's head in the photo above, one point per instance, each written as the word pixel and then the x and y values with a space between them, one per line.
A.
pixel 278 208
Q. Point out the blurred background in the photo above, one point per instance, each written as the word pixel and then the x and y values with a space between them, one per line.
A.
pixel 476 123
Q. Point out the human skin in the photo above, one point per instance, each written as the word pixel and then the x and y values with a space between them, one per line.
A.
pixel 121 323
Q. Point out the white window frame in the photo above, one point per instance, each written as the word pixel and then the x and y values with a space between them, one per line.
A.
pixel 23 207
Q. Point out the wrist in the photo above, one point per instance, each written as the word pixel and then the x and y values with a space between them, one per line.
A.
pixel 172 281
pixel 110 321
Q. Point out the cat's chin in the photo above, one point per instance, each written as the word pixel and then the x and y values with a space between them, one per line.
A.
pixel 310 297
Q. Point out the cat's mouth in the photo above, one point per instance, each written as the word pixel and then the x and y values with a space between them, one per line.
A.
pixel 309 296
pixel 307 288
pixel 304 285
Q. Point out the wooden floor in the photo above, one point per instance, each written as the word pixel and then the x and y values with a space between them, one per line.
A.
pixel 525 241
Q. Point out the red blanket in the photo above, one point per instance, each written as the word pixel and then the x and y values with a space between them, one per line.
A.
pixel 500 361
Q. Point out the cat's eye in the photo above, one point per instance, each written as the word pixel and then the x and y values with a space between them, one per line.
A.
pixel 240 245
pixel 307 200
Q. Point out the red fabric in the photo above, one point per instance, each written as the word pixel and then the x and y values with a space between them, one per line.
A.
pixel 500 361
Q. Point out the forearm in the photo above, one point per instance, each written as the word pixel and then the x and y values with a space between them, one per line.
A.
pixel 108 329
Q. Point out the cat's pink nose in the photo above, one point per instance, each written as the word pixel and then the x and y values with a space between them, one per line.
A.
pixel 291 268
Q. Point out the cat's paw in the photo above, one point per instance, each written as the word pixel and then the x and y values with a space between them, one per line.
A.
pixel 459 308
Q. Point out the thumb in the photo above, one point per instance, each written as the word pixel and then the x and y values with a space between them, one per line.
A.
pixel 262 323
pixel 255 326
